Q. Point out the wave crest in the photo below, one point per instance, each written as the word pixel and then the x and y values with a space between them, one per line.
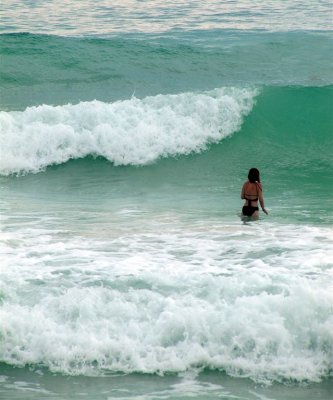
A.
pixel 130 132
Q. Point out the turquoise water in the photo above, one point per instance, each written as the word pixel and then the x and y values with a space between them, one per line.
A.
pixel 126 134
pixel 42 69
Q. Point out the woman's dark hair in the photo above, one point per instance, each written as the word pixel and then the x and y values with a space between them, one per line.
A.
pixel 254 175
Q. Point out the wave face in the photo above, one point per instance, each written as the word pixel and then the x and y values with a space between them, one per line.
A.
pixel 288 130
pixel 135 131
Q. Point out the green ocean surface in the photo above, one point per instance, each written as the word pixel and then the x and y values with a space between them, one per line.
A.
pixel 126 134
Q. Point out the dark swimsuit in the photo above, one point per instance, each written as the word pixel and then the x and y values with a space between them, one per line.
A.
pixel 249 210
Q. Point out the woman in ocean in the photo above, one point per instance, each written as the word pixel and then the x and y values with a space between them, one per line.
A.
pixel 251 193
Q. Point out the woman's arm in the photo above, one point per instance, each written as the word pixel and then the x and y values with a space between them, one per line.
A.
pixel 261 198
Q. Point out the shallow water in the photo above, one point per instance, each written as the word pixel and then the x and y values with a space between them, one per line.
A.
pixel 207 385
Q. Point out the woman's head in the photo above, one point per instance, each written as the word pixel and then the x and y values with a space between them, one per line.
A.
pixel 254 175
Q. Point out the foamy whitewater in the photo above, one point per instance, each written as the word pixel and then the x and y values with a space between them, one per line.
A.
pixel 148 302
pixel 126 133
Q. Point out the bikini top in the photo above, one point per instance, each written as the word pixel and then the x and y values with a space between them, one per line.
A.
pixel 249 200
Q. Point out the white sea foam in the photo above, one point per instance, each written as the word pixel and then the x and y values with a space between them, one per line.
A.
pixel 253 301
pixel 125 132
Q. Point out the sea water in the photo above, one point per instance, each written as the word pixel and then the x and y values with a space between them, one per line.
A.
pixel 127 131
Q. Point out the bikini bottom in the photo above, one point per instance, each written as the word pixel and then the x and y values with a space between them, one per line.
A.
pixel 249 210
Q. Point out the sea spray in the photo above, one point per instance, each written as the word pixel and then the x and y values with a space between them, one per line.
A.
pixel 134 131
